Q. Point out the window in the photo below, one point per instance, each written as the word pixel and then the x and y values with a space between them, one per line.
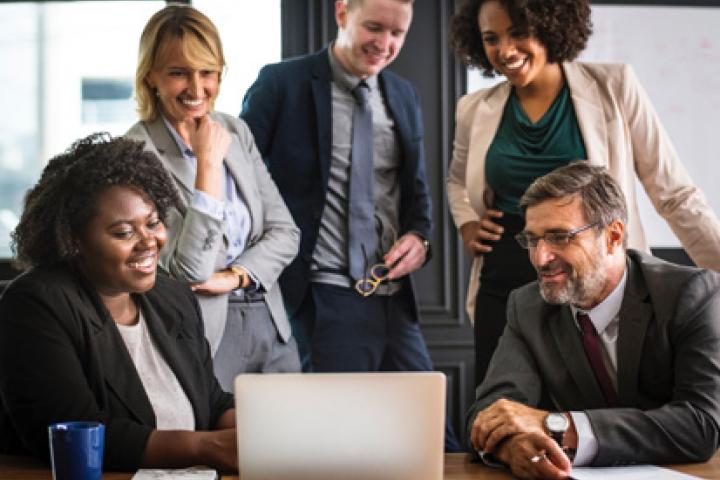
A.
pixel 68 70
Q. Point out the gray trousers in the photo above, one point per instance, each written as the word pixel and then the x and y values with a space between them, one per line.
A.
pixel 251 344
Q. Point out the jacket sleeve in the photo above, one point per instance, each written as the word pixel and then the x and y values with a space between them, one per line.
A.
pixel 46 376
pixel 421 216
pixel 194 236
pixel 687 428
pixel 457 186
pixel 512 374
pixel 276 248
pixel 665 179
pixel 260 107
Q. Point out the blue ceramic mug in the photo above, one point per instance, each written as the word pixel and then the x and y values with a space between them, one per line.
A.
pixel 76 450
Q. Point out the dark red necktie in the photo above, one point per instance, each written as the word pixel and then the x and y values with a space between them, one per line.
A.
pixel 593 352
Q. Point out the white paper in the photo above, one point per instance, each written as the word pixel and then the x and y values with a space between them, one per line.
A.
pixel 634 472
pixel 194 473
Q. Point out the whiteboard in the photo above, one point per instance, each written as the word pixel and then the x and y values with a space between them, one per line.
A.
pixel 675 52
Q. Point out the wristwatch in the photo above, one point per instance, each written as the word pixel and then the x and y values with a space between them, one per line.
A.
pixel 241 273
pixel 556 425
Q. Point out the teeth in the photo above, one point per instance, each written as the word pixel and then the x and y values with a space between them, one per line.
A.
pixel 515 65
pixel 193 103
pixel 144 263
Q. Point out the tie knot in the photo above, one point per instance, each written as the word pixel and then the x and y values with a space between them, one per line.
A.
pixel 360 92
pixel 586 324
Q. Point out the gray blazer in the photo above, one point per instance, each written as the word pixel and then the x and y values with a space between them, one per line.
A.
pixel 668 357
pixel 196 242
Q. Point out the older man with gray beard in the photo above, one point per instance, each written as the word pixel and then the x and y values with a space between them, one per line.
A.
pixel 612 357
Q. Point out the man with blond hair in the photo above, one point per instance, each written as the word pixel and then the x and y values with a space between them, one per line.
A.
pixel 342 138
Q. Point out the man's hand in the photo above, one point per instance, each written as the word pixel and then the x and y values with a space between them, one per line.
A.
pixel 502 419
pixel 534 455
pixel 409 254
pixel 219 283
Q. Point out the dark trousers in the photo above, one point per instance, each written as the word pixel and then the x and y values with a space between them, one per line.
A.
pixel 338 330
pixel 341 331
pixel 506 268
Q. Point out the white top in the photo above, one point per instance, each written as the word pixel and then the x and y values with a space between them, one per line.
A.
pixel 172 408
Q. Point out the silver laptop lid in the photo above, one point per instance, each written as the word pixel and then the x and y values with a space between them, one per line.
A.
pixel 370 426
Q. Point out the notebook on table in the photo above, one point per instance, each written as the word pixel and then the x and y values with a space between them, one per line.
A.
pixel 341 426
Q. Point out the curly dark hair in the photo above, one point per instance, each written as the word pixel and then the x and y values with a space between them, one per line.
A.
pixel 562 26
pixel 63 201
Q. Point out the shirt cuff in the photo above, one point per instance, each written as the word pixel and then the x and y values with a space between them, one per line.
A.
pixel 204 203
pixel 587 446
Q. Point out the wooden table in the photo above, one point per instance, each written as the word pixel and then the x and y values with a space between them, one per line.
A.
pixel 457 467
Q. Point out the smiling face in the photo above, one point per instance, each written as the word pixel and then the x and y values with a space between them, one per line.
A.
pixel 581 273
pixel 511 51
pixel 184 89
pixel 371 34
pixel 119 247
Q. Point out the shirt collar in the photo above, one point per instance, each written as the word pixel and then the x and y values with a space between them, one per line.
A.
pixel 607 310
pixel 182 146
pixel 344 78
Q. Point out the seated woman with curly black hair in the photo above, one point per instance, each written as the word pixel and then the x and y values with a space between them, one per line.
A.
pixel 91 332
pixel 550 111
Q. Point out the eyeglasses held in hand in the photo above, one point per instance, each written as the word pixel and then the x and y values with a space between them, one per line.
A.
pixel 558 239
pixel 378 274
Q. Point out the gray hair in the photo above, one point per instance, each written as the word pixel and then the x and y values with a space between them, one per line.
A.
pixel 602 198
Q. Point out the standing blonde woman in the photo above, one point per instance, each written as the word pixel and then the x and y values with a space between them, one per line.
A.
pixel 550 111
pixel 232 236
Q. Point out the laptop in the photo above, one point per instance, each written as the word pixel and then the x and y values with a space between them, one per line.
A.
pixel 341 426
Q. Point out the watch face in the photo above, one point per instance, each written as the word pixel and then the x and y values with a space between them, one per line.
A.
pixel 556 422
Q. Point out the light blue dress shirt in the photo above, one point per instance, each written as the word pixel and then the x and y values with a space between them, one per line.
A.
pixel 233 211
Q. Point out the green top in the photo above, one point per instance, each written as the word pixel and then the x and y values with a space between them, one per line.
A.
pixel 523 151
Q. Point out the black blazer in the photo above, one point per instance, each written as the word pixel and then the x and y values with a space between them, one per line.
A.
pixel 668 365
pixel 288 110
pixel 62 359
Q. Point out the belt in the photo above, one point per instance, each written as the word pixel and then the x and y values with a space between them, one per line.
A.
pixel 243 296
pixel 386 288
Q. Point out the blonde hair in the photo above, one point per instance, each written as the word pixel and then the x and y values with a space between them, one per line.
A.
pixel 352 4
pixel 200 45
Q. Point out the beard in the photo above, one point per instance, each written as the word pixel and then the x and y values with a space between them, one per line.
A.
pixel 580 288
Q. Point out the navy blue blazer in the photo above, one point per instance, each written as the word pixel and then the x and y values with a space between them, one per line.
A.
pixel 289 111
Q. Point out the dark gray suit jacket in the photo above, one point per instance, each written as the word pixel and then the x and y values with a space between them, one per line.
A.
pixel 668 359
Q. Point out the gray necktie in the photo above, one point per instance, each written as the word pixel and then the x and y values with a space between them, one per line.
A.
pixel 362 243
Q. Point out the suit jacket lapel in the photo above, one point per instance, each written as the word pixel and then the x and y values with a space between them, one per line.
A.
pixel 167 335
pixel 635 315
pixel 488 115
pixel 119 370
pixel 171 156
pixel 569 344
pixel 323 110
pixel 589 112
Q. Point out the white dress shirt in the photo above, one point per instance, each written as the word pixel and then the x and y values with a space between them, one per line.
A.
pixel 605 318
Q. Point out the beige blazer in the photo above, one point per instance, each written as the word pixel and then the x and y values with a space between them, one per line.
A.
pixel 196 241
pixel 621 132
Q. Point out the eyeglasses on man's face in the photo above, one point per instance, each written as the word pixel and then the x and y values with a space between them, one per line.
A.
pixel 554 238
